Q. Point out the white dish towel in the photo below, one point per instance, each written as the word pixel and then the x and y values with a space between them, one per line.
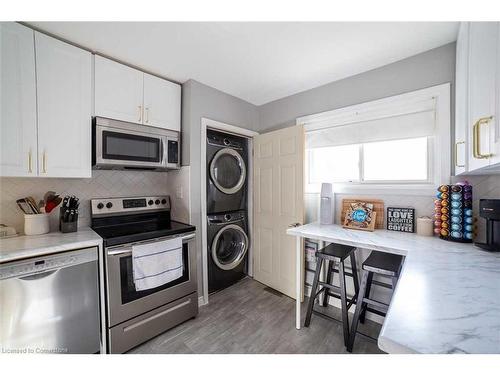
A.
pixel 157 263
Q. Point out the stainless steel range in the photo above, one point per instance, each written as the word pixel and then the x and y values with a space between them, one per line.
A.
pixel 136 316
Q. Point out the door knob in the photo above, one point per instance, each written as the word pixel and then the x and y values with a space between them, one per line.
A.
pixel 294 225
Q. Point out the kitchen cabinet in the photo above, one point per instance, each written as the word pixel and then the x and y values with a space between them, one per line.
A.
pixel 461 100
pixel 477 129
pixel 118 91
pixel 64 100
pixel 18 141
pixel 127 94
pixel 162 103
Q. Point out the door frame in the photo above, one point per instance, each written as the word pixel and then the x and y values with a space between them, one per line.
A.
pixel 242 132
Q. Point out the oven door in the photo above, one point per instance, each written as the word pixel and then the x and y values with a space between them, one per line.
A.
pixel 125 148
pixel 124 302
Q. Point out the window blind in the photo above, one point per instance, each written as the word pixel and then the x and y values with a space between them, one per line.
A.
pixel 409 121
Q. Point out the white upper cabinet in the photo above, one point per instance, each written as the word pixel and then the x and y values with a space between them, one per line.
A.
pixel 127 94
pixel 18 142
pixel 64 92
pixel 118 91
pixel 483 68
pixel 162 103
pixel 461 98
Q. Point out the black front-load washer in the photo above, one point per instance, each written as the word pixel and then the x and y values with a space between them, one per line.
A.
pixel 227 160
pixel 227 249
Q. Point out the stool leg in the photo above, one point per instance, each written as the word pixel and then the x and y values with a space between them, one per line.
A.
pixel 354 269
pixel 310 305
pixel 367 295
pixel 343 302
pixel 329 270
pixel 359 308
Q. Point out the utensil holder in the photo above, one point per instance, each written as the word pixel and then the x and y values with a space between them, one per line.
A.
pixel 36 224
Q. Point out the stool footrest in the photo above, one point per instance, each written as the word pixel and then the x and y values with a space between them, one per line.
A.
pixel 372 302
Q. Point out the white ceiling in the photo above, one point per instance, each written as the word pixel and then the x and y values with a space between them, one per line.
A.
pixel 256 61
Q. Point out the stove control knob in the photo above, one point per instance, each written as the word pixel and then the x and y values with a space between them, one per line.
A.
pixel 109 205
pixel 150 202
pixel 157 201
pixel 227 217
pixel 163 201
pixel 100 205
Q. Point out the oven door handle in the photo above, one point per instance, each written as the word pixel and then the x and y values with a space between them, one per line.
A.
pixel 127 249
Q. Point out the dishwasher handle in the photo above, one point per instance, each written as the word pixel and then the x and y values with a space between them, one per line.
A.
pixel 38 276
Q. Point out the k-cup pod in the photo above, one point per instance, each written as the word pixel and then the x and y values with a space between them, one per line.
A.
pixel 444 210
pixel 456 219
pixel 444 232
pixel 469 220
pixel 444 224
pixel 444 217
pixel 437 223
pixel 456 196
pixel 456 234
pixel 468 204
pixel 469 235
pixel 468 227
pixel 467 188
pixel 456 211
pixel 456 204
pixel 443 188
pixel 468 212
pixel 456 188
pixel 437 230
pixel 467 196
pixel 456 226
pixel 437 216
pixel 437 202
pixel 444 203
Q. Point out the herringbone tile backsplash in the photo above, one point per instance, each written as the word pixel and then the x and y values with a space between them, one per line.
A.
pixel 102 184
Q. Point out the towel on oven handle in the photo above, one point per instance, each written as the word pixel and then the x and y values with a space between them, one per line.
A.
pixel 157 263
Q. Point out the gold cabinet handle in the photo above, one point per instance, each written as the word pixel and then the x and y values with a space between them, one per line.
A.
pixel 476 138
pixel 140 113
pixel 44 162
pixel 456 154
pixel 147 115
pixel 30 160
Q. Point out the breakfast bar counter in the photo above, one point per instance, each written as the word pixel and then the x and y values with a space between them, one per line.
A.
pixel 447 299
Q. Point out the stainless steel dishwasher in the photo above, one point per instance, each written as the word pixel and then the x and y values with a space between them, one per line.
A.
pixel 50 304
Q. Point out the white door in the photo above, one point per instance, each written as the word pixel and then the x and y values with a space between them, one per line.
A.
pixel 64 83
pixel 118 91
pixel 278 203
pixel 18 143
pixel 461 100
pixel 162 103
pixel 482 78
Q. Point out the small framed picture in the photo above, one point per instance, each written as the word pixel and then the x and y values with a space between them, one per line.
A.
pixel 401 219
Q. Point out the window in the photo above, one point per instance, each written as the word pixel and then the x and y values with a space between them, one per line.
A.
pixel 399 143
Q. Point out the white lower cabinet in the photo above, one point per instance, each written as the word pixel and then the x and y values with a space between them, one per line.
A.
pixel 64 83
pixel 18 140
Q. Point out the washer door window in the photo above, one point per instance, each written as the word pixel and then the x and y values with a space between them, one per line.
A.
pixel 229 247
pixel 228 171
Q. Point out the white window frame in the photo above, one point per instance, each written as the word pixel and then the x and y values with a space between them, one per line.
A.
pixel 439 151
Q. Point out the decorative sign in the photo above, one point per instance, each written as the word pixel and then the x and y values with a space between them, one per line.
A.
pixel 401 219
pixel 360 215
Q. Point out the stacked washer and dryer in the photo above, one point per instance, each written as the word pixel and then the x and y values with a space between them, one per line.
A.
pixel 227 216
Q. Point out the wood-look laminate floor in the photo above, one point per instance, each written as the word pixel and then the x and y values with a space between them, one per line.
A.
pixel 248 319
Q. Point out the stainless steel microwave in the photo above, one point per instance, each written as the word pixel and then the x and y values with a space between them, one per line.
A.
pixel 123 145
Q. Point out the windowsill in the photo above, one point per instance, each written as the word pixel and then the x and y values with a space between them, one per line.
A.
pixel 414 189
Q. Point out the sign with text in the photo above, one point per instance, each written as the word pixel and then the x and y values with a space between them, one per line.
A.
pixel 401 219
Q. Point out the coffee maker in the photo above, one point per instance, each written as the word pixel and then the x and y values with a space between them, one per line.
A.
pixel 489 209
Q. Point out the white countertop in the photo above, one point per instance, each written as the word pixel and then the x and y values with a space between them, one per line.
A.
pixel 448 296
pixel 21 247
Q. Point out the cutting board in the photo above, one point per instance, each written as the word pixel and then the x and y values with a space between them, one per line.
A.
pixel 378 207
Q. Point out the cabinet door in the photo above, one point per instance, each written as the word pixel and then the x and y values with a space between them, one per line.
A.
pixel 18 143
pixel 162 103
pixel 64 82
pixel 482 74
pixel 118 91
pixel 461 100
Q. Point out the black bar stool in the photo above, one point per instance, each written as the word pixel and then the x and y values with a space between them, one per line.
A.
pixel 332 254
pixel 377 263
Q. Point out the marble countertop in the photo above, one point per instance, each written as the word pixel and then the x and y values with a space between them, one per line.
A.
pixel 22 247
pixel 448 296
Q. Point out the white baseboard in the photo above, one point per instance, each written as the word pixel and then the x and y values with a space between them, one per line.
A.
pixel 201 301
pixel 335 302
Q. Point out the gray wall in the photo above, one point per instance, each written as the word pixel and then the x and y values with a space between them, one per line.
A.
pixel 199 100
pixel 423 70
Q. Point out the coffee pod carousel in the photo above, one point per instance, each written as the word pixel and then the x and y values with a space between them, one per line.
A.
pixel 453 220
